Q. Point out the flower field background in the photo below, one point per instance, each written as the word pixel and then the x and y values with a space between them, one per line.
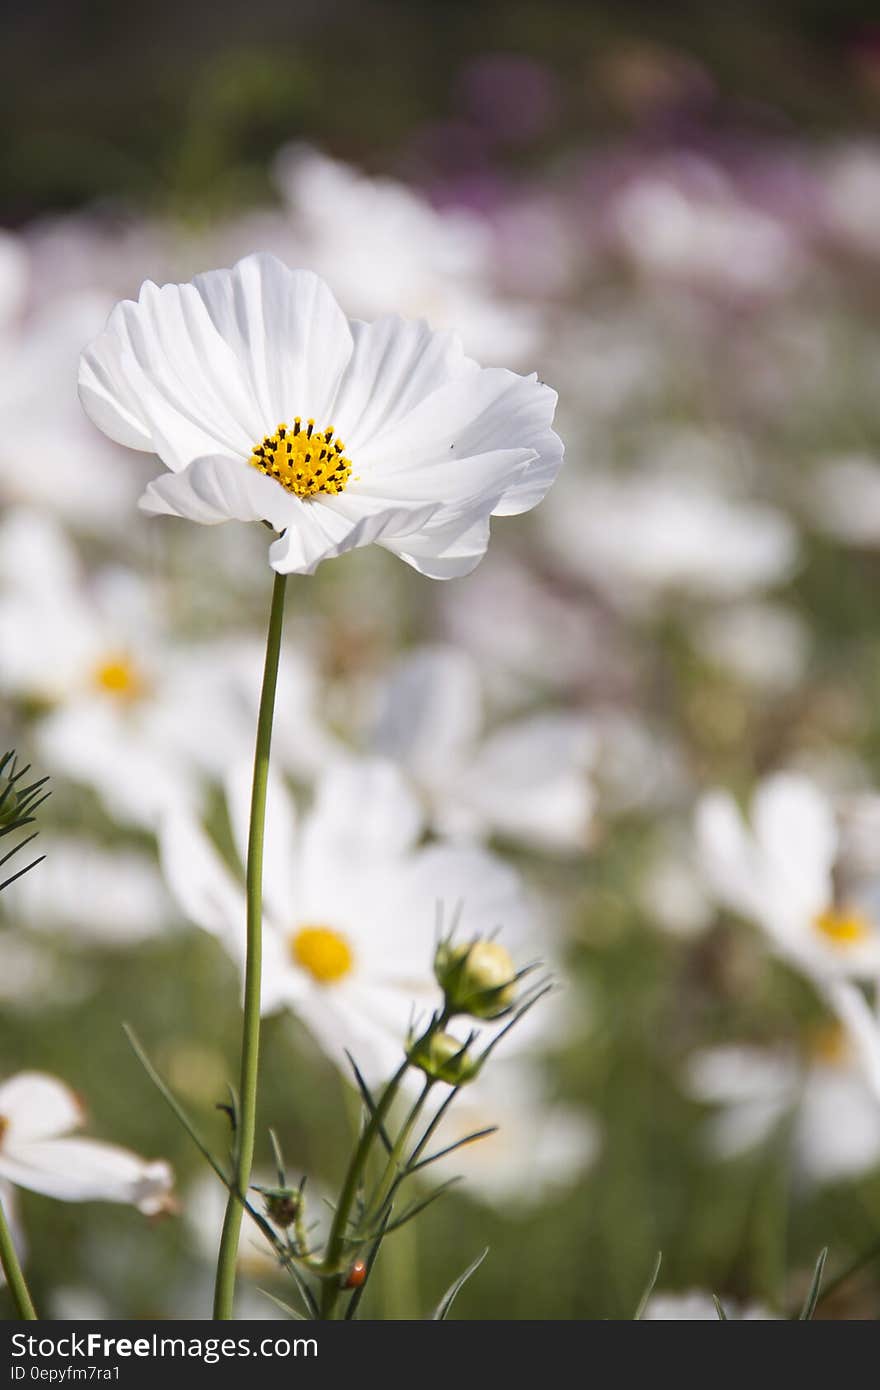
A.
pixel 675 221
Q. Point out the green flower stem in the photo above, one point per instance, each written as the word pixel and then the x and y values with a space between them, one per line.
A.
pixel 336 1241
pixel 224 1289
pixel 394 1167
pixel 12 1269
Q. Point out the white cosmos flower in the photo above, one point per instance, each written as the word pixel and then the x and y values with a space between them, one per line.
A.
pixel 778 871
pixel 540 1147
pixel 825 1094
pixel 527 781
pixel 37 1116
pixel 642 539
pixel 697 1306
pixel 765 645
pixel 379 243
pixel 844 499
pixel 351 903
pixel 122 708
pixel 245 383
pixel 703 234
pixel 89 894
pixel 862 1025
pixel 41 421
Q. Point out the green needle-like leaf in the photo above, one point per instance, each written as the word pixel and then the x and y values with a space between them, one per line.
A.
pixel 812 1297
pixel 369 1102
pixel 285 1307
pixel 172 1101
pixel 719 1308
pixel 649 1288
pixel 415 1207
pixel 441 1312
pixel 451 1148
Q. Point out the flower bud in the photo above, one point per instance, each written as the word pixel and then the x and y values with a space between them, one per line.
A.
pixel 443 1058
pixel 283 1205
pixel 478 979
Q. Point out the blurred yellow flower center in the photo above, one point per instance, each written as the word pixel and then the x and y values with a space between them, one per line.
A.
pixel 4 1125
pixel 305 461
pixel 829 1044
pixel 321 951
pixel 843 927
pixel 118 676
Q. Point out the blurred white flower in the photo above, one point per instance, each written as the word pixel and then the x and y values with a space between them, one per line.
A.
pixel 766 645
pixel 13 280
pixel 42 425
pixel 844 499
pixel 203 1208
pixel 37 1115
pixel 540 1147
pixel 122 708
pixel 530 636
pixel 244 381
pixel 527 781
pixel 852 197
pixel 825 1096
pixel 697 231
pixel 778 871
pixel 33 980
pixel 380 245
pixel 109 897
pixel 672 890
pixel 75 1303
pixel 697 1306
pixel 351 904
pixel 644 538
pixel 862 1026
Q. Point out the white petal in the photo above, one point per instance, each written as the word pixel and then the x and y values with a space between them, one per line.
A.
pixel 84 1170
pixel 465 884
pixel 199 880
pixel 729 855
pixel 529 781
pixel 854 1011
pixel 431 712
pixel 449 551
pixel 216 488
pixel 837 1133
pixel 485 412
pixel 795 829
pixel 161 377
pixel 364 813
pixel 289 336
pixel 395 364
pixel 37 1106
pixel 319 530
pixel 211 367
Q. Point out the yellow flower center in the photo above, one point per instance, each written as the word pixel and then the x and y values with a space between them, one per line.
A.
pixel 120 677
pixel 829 1044
pixel 842 926
pixel 303 460
pixel 323 952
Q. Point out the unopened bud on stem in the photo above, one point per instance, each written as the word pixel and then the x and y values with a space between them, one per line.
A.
pixel 477 979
